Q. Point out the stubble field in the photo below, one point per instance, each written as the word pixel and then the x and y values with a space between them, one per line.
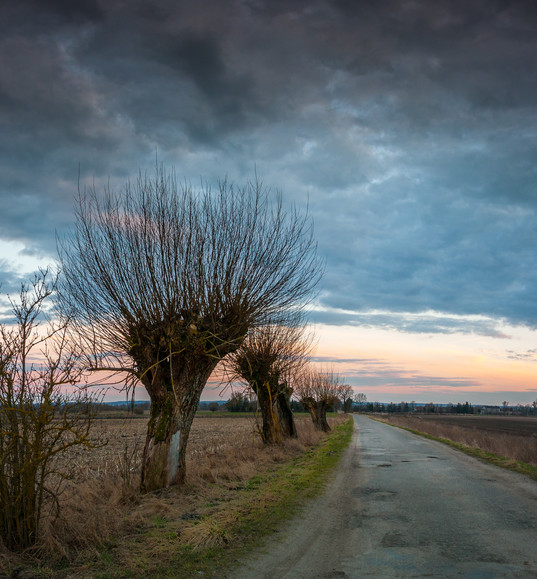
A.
pixel 121 441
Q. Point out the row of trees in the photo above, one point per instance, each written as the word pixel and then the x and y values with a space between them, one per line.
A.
pixel 161 284
pixel 243 400
pixel 273 364
pixel 459 408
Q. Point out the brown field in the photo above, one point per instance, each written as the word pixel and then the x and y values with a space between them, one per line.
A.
pixel 101 501
pixel 513 437
pixel 219 447
pixel 520 425
pixel 123 440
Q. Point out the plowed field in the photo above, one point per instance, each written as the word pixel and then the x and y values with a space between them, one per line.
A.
pixel 519 425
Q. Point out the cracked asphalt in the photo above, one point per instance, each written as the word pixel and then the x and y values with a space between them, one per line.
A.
pixel 404 506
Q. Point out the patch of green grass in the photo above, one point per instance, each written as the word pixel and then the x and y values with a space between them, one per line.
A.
pixel 495 459
pixel 159 522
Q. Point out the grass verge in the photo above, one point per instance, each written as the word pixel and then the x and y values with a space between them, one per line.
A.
pixel 218 539
pixel 490 457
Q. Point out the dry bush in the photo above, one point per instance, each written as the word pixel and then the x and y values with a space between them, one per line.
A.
pixel 516 447
pixel 39 420
pixel 212 532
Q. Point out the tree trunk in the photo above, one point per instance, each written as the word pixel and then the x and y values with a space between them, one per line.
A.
pixel 286 417
pixel 174 400
pixel 323 422
pixel 271 430
pixel 311 406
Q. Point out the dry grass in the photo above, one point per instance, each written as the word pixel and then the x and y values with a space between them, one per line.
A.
pixel 513 446
pixel 101 503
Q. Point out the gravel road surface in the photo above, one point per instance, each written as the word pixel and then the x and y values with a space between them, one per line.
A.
pixel 404 506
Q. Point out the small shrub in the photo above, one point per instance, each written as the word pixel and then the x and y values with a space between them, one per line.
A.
pixel 38 421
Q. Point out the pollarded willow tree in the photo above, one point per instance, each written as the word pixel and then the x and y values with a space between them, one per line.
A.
pixel 163 281
pixel 317 392
pixel 265 361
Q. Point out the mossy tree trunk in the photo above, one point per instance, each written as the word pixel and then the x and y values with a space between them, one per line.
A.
pixel 317 410
pixel 311 406
pixel 271 432
pixel 175 390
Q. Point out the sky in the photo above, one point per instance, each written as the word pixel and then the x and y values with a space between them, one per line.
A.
pixel 409 129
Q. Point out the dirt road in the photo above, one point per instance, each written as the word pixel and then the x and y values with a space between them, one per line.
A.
pixel 403 506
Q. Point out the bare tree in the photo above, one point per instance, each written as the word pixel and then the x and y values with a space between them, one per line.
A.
pixel 317 392
pixel 360 399
pixel 346 393
pixel 163 282
pixel 38 419
pixel 265 360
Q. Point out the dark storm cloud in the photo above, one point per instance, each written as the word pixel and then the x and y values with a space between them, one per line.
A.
pixel 410 126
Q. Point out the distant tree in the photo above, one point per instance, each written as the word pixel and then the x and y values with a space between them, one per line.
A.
pixel 241 401
pixel 360 400
pixel 317 392
pixel 213 406
pixel 346 393
pixel 296 406
pixel 163 282
pixel 236 402
pixel 39 421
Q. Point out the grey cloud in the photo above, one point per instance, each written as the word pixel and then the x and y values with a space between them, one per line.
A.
pixel 9 287
pixel 389 377
pixel 378 374
pixel 409 126
pixel 9 280
pixel 422 323
pixel 527 356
